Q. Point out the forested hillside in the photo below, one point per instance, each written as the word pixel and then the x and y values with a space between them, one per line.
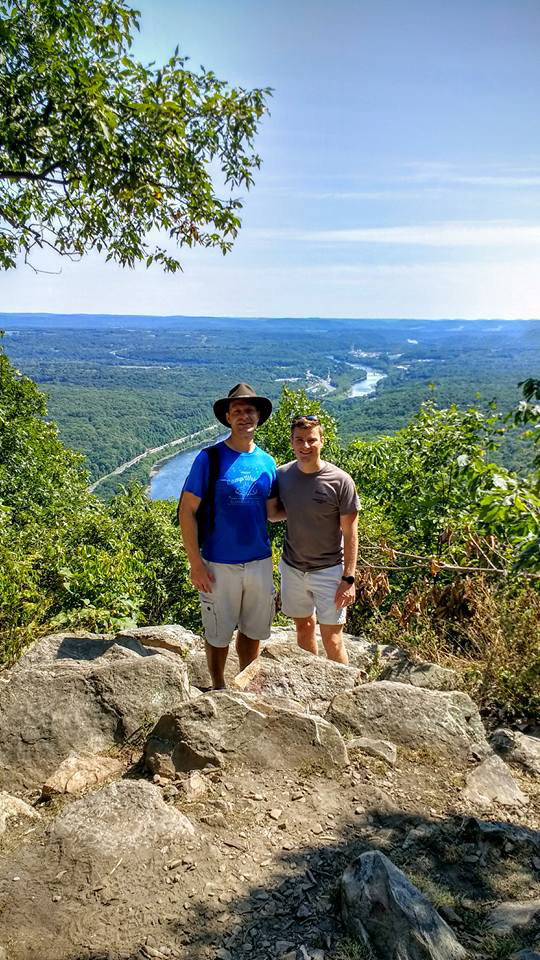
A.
pixel 449 555
pixel 117 386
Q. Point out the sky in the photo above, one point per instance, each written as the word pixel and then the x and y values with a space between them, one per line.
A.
pixel 401 165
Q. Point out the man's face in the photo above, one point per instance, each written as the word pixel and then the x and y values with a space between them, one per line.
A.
pixel 307 444
pixel 242 417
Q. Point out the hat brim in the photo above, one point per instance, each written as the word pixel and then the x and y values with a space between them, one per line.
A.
pixel 263 404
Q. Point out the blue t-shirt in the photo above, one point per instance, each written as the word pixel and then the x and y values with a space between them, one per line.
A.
pixel 246 481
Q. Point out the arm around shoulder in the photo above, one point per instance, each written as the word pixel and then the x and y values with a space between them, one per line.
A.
pixel 275 510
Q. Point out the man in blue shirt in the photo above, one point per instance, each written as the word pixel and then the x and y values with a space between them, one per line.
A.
pixel 232 568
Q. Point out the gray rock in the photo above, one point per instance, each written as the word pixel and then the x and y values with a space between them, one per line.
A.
pixel 13 809
pixel 382 749
pixel 76 647
pixel 518 748
pixel 499 833
pixel 128 819
pixel 282 671
pixel 513 915
pixel 421 673
pixel 171 637
pixel 446 722
pixel 525 955
pixel 48 713
pixel 220 726
pixel 383 910
pixel 492 782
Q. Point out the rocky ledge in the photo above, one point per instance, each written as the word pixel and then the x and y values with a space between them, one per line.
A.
pixel 311 810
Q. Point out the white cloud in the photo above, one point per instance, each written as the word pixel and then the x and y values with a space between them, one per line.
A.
pixel 443 234
pixel 448 174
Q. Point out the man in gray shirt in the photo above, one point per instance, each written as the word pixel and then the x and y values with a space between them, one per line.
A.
pixel 320 503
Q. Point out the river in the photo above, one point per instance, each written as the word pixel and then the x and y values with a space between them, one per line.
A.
pixel 363 387
pixel 168 480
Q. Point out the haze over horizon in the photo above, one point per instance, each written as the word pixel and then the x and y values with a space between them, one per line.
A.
pixel 401 167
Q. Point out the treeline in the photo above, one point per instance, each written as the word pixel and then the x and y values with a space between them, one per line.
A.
pixel 116 392
pixel 449 542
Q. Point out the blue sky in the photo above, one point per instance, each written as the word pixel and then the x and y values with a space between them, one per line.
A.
pixel 401 165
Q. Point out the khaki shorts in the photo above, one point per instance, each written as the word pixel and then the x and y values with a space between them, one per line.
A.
pixel 242 596
pixel 304 593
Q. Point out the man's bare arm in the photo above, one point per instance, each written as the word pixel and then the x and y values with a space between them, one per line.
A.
pixel 275 510
pixel 346 593
pixel 201 577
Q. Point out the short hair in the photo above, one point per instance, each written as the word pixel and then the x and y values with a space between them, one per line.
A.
pixel 305 422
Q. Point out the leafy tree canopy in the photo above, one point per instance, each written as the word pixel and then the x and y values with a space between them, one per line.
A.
pixel 100 151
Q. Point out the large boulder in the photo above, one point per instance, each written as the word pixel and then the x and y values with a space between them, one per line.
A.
pixel 76 648
pixel 219 726
pixel 421 673
pixel 69 706
pixel 292 673
pixel 492 782
pixel 387 913
pixel 128 819
pixel 518 748
pixel 446 722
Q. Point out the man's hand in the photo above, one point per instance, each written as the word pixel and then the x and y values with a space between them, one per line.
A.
pixel 202 577
pixel 345 594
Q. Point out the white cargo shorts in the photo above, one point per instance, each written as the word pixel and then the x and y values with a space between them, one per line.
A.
pixel 302 594
pixel 242 596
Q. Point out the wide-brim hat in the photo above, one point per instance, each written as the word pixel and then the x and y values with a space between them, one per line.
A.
pixel 243 391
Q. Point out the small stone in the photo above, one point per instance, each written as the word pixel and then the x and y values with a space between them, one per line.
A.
pixel 56 898
pixel 297 795
pixel 536 863
pixel 77 773
pixel 275 813
pixel 223 954
pixel 509 916
pixel 317 828
pixel 382 749
pixel 214 820
pixel 492 782
pixel 359 811
pixel 282 946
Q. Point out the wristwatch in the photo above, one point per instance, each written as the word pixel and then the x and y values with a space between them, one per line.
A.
pixel 349 580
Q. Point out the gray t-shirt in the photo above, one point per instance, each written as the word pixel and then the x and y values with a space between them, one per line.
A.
pixel 314 503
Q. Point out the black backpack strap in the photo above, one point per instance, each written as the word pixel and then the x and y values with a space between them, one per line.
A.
pixel 206 513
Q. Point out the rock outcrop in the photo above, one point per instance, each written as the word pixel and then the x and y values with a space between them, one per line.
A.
pixel 49 711
pixel 260 796
pixel 411 716
pixel 220 727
